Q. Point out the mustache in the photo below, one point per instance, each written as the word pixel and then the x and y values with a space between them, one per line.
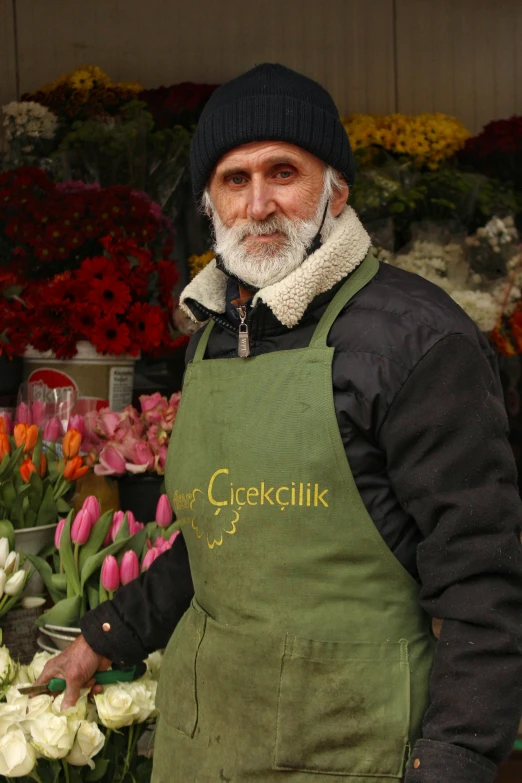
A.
pixel 257 228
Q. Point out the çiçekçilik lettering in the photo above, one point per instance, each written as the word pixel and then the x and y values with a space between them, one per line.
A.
pixel 223 493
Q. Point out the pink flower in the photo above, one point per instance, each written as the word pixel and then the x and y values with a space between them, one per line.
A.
pixel 58 532
pixel 161 545
pixel 173 537
pixel 106 422
pixel 92 505
pixel 117 522
pixel 141 456
pixel 52 430
pixel 23 414
pixel 162 460
pixel 153 406
pixel 8 421
pixel 175 399
pixel 130 567
pixel 111 462
pixel 39 413
pixel 81 527
pixel 110 574
pixel 164 511
pixel 168 418
pixel 149 558
pixel 77 423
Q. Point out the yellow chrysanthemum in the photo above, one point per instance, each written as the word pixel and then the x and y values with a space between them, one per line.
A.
pixel 81 80
pixel 197 263
pixel 428 138
pixel 86 77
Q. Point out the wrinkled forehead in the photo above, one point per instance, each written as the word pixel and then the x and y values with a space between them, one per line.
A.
pixel 260 155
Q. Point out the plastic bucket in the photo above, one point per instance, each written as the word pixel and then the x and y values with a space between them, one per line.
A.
pixel 97 380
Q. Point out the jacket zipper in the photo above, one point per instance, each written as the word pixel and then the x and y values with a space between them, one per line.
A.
pixel 243 339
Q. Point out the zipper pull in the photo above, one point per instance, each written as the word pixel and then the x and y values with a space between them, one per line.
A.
pixel 243 342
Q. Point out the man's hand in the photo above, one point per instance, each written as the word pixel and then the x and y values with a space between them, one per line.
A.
pixel 76 665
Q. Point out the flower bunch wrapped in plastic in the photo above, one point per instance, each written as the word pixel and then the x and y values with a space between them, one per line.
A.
pixel 427 138
pixel 38 740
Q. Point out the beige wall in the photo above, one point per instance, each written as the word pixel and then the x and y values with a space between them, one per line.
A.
pixel 459 56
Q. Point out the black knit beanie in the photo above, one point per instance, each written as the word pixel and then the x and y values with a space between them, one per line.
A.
pixel 269 103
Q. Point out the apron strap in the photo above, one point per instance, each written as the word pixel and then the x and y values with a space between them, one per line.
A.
pixel 357 280
pixel 203 342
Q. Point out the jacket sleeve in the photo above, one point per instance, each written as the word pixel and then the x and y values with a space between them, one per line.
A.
pixel 142 615
pixel 453 470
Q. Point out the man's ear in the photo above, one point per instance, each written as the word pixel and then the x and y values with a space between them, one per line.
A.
pixel 339 199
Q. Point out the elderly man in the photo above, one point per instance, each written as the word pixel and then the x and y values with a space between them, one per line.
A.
pixel 341 475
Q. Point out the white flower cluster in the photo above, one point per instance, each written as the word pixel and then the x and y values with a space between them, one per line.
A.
pixel 28 119
pixel 33 728
pixel 448 266
pixel 12 576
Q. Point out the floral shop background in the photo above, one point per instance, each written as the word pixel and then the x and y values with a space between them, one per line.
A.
pixel 96 217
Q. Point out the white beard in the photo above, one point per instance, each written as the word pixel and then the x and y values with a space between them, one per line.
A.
pixel 269 263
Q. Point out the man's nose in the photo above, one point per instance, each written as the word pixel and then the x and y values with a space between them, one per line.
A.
pixel 260 201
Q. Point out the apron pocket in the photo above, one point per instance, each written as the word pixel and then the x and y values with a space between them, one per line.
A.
pixel 177 688
pixel 343 708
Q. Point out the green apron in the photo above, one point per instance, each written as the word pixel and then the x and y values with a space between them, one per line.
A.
pixel 305 649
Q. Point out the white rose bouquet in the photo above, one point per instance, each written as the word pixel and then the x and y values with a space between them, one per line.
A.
pixel 90 741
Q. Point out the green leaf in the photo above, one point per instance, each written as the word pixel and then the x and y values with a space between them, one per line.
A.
pixel 65 612
pixel 36 491
pixel 62 506
pixel 67 555
pixel 46 572
pixel 7 531
pixel 93 596
pixel 96 539
pixel 8 496
pixel 47 513
pixel 101 765
pixel 123 532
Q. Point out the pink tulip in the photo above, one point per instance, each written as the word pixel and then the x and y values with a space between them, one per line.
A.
pixel 77 423
pixel 111 462
pixel 8 421
pixel 39 413
pixel 23 414
pixel 107 421
pixel 81 527
pixel 52 430
pixel 110 574
pixel 149 558
pixel 92 505
pixel 117 522
pixel 161 545
pixel 58 532
pixel 130 567
pixel 164 511
pixel 173 537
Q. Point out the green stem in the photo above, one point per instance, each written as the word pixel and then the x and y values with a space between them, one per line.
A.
pixel 110 593
pixel 34 775
pixel 76 557
pixel 129 748
pixel 66 770
pixel 3 602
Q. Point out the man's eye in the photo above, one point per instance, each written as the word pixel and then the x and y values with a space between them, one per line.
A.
pixel 236 179
pixel 284 174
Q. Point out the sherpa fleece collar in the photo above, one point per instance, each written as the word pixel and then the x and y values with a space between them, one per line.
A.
pixel 344 250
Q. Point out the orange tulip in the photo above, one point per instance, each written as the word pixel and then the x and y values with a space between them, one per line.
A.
pixel 5 446
pixel 20 433
pixel 43 465
pixel 74 468
pixel 31 438
pixel 71 443
pixel 26 468
pixel 2 425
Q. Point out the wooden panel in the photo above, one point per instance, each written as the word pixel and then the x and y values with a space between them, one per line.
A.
pixel 345 44
pixel 7 53
pixel 463 58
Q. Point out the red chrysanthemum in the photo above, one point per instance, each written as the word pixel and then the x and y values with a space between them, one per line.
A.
pixel 96 267
pixel 109 294
pixel 83 321
pixel 111 336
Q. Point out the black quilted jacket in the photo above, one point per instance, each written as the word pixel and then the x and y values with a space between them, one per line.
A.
pixel 420 411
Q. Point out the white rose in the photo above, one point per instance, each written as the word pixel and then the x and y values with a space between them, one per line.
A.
pixel 17 756
pixel 77 712
pixel 7 667
pixel 10 716
pixel 36 667
pixel 116 707
pixel 88 742
pixel 154 664
pixel 29 708
pixel 52 735
pixel 143 694
pixel 21 678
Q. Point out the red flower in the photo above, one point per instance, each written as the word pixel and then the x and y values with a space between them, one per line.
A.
pixel 169 276
pixel 109 294
pixel 83 320
pixel 95 267
pixel 148 325
pixel 110 336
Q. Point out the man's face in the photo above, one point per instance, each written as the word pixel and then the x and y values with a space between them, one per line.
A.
pixel 268 202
